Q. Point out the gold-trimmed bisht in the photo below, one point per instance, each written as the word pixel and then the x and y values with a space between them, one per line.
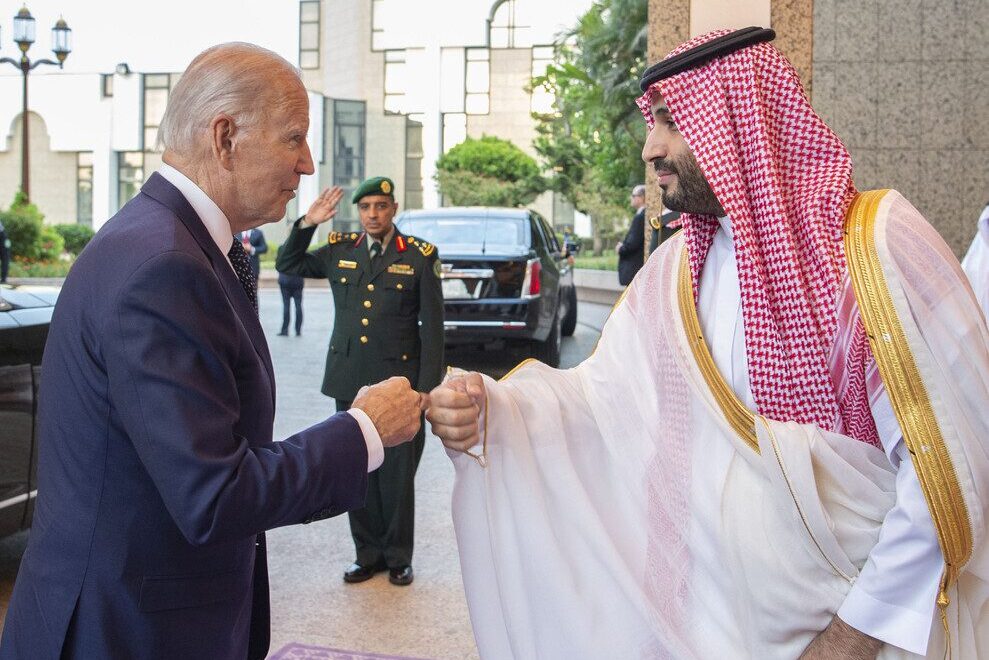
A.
pixel 908 395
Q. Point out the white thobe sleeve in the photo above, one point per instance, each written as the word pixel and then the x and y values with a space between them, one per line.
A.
pixel 893 598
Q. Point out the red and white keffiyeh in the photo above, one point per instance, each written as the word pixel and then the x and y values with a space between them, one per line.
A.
pixel 785 180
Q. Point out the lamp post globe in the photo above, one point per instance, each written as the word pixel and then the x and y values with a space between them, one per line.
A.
pixel 24 29
pixel 61 40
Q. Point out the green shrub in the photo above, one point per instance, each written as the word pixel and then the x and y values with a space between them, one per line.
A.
pixel 20 267
pixel 23 223
pixel 51 245
pixel 75 236
pixel 488 172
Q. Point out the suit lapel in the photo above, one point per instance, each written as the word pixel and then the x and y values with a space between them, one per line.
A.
pixel 159 189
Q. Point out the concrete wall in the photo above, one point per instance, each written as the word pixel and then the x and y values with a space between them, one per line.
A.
pixel 509 107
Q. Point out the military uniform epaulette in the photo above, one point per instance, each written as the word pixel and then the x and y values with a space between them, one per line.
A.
pixel 427 249
pixel 340 237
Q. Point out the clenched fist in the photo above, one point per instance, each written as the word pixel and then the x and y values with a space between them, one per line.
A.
pixel 394 408
pixel 454 409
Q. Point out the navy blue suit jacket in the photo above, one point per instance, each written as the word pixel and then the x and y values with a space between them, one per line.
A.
pixel 157 470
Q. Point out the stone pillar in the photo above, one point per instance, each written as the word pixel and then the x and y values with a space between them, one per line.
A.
pixel 669 26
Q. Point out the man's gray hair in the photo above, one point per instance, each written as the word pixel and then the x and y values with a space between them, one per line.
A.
pixel 232 78
pixel 639 190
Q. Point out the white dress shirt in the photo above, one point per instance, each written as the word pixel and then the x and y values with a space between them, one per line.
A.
pixel 384 242
pixel 218 226
pixel 893 598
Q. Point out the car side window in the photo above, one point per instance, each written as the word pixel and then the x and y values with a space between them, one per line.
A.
pixel 551 244
pixel 538 240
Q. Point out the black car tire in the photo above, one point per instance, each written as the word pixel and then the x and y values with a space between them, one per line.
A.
pixel 569 323
pixel 548 352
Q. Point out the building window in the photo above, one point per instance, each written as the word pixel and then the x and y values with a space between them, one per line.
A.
pixel 106 85
pixel 349 119
pixel 477 81
pixel 541 99
pixel 413 161
pixel 130 175
pixel 395 81
pixel 309 34
pixel 156 86
pixel 504 28
pixel 84 188
pixel 454 129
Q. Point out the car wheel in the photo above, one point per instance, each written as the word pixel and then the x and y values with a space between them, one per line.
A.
pixel 548 351
pixel 569 323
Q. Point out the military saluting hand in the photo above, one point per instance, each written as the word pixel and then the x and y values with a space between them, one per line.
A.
pixel 394 408
pixel 325 206
pixel 454 408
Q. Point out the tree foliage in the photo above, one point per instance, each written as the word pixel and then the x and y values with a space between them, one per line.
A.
pixel 594 139
pixel 488 172
pixel 23 223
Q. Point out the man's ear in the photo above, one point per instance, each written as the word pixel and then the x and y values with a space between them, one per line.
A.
pixel 223 130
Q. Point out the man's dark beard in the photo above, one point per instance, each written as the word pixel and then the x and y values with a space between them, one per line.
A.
pixel 692 193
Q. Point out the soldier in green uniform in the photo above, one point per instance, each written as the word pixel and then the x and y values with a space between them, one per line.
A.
pixel 388 322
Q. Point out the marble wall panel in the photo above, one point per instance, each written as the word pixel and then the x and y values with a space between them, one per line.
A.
pixel 856 110
pixel 944 29
pixel 949 213
pixel 864 169
pixel 856 26
pixel 899 98
pixel 824 31
pixel 975 191
pixel 977 31
pixel 929 65
pixel 976 102
pixel 942 106
pixel 824 96
pixel 899 36
pixel 899 169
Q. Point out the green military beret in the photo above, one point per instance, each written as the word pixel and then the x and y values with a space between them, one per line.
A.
pixel 376 185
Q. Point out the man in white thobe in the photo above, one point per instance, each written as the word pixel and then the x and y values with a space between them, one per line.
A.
pixel 778 448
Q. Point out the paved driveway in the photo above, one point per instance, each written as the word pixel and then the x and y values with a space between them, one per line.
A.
pixel 310 603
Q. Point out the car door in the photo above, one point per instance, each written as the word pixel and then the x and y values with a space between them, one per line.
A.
pixel 16 428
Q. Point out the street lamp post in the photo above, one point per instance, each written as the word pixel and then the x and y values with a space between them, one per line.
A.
pixel 24 37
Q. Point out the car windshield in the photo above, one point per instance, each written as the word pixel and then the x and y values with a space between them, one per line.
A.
pixel 450 233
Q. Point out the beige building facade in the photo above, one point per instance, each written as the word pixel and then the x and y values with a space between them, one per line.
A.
pixel 386 98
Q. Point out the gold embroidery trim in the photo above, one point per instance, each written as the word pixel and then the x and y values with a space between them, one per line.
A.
pixel 740 418
pixel 906 390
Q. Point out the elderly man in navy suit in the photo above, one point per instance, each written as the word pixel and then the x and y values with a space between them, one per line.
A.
pixel 158 474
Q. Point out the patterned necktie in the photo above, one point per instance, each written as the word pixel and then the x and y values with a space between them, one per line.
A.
pixel 242 266
pixel 375 251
